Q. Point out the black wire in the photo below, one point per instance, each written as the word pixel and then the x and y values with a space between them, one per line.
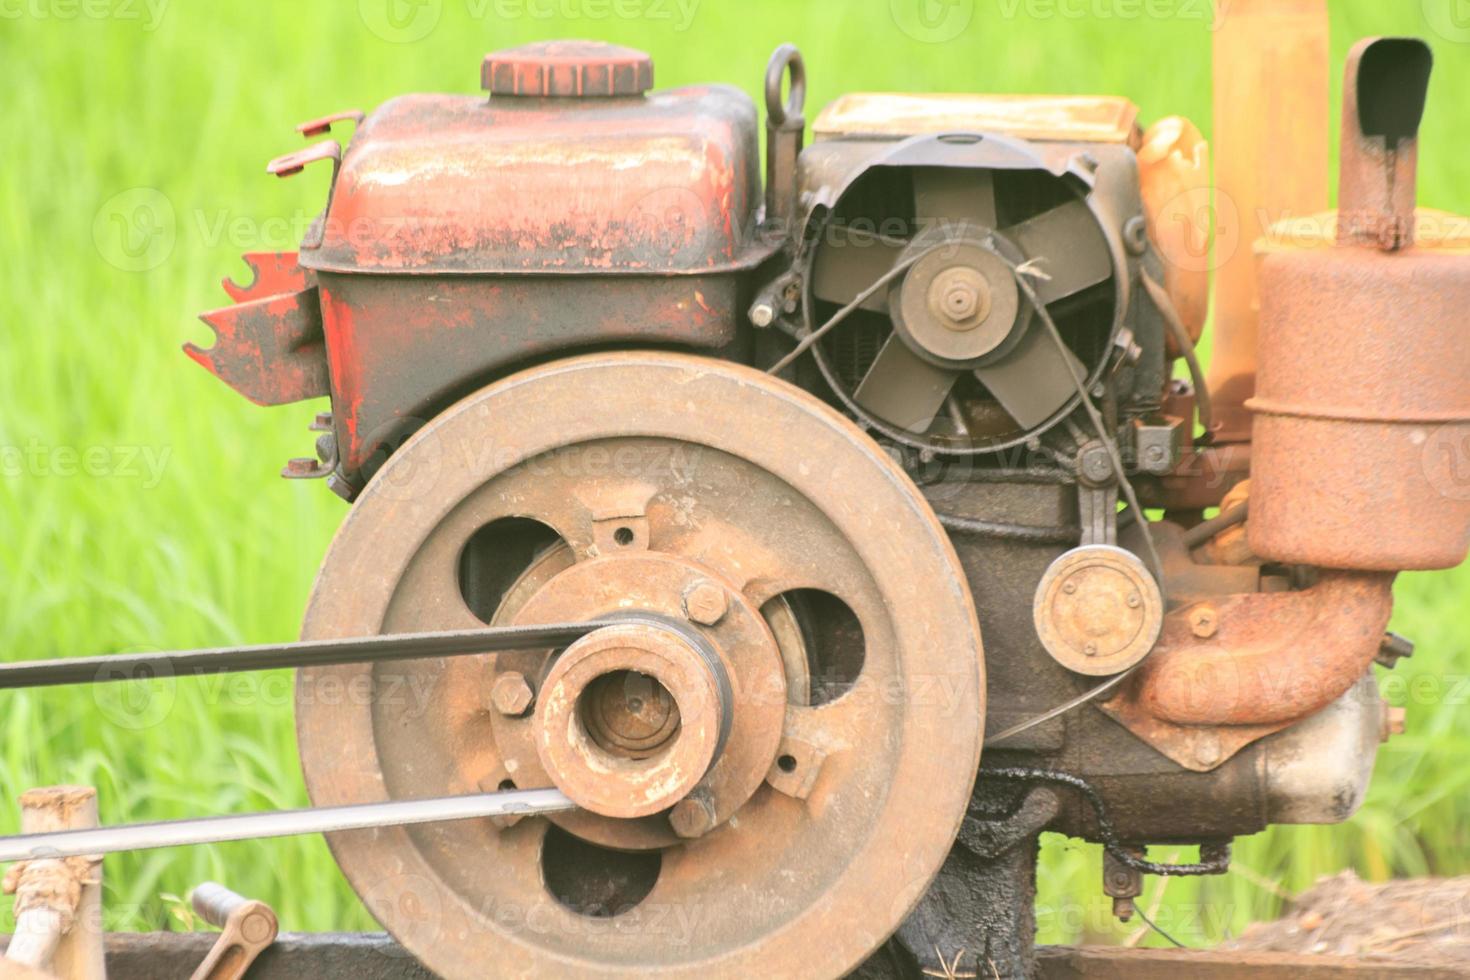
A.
pixel 1155 927
pixel 1205 530
pixel 1211 864
pixel 1005 531
pixel 1165 305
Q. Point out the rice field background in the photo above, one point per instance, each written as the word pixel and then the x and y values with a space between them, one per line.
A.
pixel 139 497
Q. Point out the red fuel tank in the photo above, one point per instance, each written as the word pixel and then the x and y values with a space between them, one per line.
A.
pixel 573 207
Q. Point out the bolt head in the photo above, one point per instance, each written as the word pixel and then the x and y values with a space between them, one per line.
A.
pixel 1090 649
pixel 511 695
pixel 706 603
pixel 693 816
pixel 762 314
pixel 960 302
pixel 1097 465
pixel 1204 622
pixel 1207 752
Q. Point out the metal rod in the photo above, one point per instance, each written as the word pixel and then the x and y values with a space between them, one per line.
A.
pixel 304 653
pixel 280 823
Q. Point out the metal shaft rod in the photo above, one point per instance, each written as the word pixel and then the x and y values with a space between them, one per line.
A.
pixel 304 653
pixel 281 823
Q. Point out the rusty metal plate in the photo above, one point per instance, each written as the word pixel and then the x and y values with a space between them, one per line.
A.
pixel 651 469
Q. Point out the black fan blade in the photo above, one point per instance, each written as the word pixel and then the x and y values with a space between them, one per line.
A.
pixel 903 389
pixel 1068 250
pixel 1034 381
pixel 850 261
pixel 946 196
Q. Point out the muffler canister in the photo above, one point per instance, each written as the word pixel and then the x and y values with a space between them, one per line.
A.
pixel 1361 440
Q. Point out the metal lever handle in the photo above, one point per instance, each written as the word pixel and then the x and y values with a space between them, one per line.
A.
pixel 247 927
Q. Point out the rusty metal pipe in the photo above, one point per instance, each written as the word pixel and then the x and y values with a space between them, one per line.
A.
pixel 1384 91
pixel 1269 658
pixel 1271 75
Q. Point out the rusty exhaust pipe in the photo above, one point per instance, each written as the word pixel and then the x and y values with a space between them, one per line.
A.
pixel 1270 79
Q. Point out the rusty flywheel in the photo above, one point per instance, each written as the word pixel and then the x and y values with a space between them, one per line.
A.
pixel 766 784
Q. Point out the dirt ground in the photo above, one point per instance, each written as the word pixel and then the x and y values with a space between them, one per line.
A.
pixel 1423 920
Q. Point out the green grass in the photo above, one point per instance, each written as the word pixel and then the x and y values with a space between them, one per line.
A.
pixel 101 553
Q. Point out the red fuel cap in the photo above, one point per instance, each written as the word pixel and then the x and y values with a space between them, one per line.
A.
pixel 578 69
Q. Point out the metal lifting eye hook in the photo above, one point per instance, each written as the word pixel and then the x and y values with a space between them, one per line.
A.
pixel 785 128
pixel 786 59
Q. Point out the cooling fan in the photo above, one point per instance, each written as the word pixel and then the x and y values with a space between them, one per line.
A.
pixel 951 356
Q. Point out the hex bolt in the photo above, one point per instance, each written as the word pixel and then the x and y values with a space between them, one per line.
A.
pixel 705 603
pixel 960 302
pixel 1204 621
pixel 762 314
pixel 694 815
pixel 511 695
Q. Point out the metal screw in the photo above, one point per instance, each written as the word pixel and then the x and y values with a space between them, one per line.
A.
pixel 705 603
pixel 511 695
pixel 1134 600
pixel 1090 649
pixel 762 314
pixel 1204 621
pixel 694 815
pixel 1070 588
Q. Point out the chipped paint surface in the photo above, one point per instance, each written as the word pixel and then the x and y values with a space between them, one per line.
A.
pixel 456 185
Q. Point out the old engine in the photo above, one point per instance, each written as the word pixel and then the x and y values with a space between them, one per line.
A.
pixel 790 447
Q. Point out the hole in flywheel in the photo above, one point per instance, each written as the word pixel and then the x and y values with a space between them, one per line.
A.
pixel 786 763
pixel 506 784
pixel 595 881
pixel 832 638
pixel 496 556
pixel 628 714
pixel 623 536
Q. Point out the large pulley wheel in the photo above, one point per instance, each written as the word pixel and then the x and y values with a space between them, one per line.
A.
pixel 773 747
